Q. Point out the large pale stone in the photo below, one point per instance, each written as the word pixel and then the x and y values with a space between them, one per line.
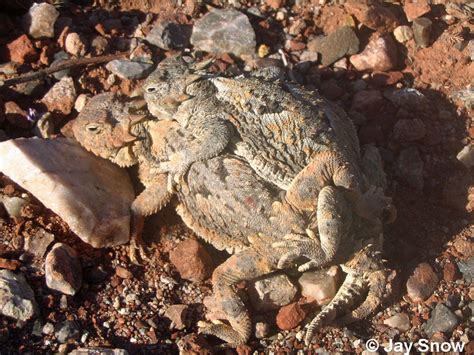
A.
pixel 17 299
pixel 39 21
pixel 92 195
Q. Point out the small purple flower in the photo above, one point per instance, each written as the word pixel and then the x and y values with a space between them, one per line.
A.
pixel 33 115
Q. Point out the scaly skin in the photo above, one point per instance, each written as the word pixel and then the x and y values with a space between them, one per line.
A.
pixel 226 203
pixel 292 138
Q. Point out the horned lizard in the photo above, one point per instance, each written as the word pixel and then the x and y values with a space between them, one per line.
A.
pixel 225 202
pixel 291 137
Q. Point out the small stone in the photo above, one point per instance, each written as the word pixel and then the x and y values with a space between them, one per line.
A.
pixel 224 31
pixel 466 156
pixel 331 89
pixel 263 50
pixel 63 270
pixel 13 205
pixel 48 329
pixel 123 273
pixel 320 286
pixel 99 216
pixel 81 101
pixel 379 55
pixel 67 330
pixel 410 168
pixel 192 260
pixel 177 314
pixel 467 269
pixel 403 33
pixel 22 50
pixel 37 243
pixel 399 321
pixel 409 130
pixel 297 27
pixel 470 49
pixel 309 56
pixel 442 319
pixel 60 57
pixel 214 308
pixel 367 100
pixel 169 35
pixel 17 299
pixel 458 192
pixel 422 283
pixel 61 97
pixel 372 14
pixel 450 272
pixel 75 45
pixel 336 45
pixel 99 45
pixel 422 31
pixel 465 247
pixel 386 79
pixel 408 98
pixel 16 116
pixel 262 330
pixel 272 292
pixel 128 69
pixel 290 316
pixel 416 9
pixel 40 19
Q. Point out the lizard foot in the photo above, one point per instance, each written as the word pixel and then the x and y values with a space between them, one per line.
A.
pixel 222 331
pixel 137 252
pixel 372 203
pixel 298 245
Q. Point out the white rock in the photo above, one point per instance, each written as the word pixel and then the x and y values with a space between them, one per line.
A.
pixel 75 45
pixel 403 33
pixel 466 156
pixel 320 285
pixel 80 102
pixel 40 19
pixel 399 321
pixel 92 195
pixel 17 299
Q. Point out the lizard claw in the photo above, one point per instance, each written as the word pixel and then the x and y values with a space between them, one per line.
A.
pixel 137 251
pixel 297 245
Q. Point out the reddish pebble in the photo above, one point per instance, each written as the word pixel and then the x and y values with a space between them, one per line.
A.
pixel 422 283
pixel 22 50
pixel 192 260
pixel 9 264
pixel 290 316
pixel 450 272
pixel 123 273
pixel 275 4
pixel 414 10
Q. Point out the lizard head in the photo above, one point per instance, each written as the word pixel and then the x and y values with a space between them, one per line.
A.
pixel 104 128
pixel 165 88
pixel 366 259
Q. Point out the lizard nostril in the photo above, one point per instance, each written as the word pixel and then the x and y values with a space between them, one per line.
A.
pixel 150 89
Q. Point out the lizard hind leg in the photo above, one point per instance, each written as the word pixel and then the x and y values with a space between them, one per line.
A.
pixel 245 265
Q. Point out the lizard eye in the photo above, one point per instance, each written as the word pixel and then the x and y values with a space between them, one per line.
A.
pixel 93 128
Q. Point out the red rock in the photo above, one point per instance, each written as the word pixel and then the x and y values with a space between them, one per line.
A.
pixel 123 273
pixel 379 55
pixel 192 260
pixel 22 50
pixel 409 130
pixel 275 4
pixel 422 283
pixel 290 316
pixel 386 79
pixel 450 272
pixel 63 271
pixel 367 100
pixel 16 116
pixel 372 14
pixel 9 264
pixel 469 347
pixel 416 9
pixel 177 314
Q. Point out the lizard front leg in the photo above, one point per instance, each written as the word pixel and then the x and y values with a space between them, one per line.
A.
pixel 150 201
pixel 206 140
pixel 334 218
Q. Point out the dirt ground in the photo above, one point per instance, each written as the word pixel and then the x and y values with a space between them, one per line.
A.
pixel 128 313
